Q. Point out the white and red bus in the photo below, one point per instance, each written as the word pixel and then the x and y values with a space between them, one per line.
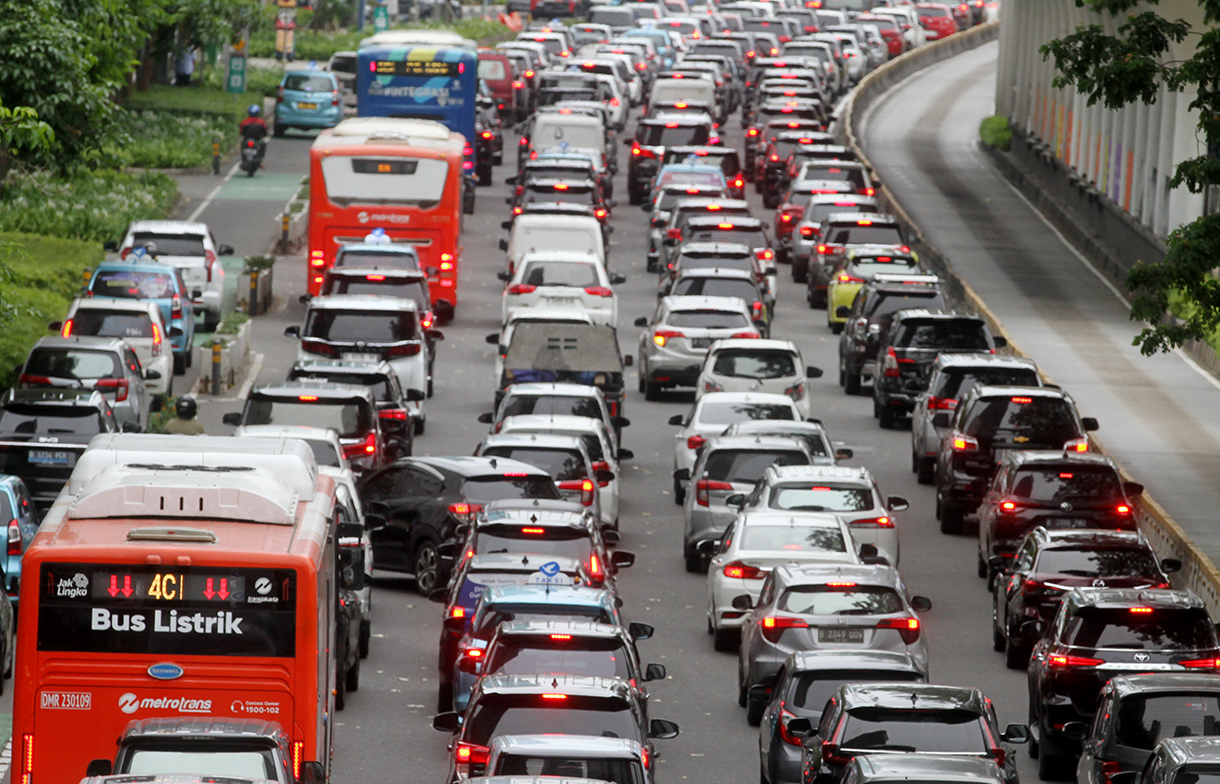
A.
pixel 176 577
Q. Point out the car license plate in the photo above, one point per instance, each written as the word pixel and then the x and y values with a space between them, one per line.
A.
pixel 700 342
pixel 840 634
pixel 363 357
pixel 563 302
pixel 49 458
pixel 307 106
pixel 1061 523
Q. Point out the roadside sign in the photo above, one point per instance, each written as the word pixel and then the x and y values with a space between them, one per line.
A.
pixel 381 17
pixel 236 83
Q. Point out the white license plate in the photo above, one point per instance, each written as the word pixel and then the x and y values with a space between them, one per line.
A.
pixel 363 357
pixel 307 106
pixel 49 458
pixel 563 302
pixel 840 634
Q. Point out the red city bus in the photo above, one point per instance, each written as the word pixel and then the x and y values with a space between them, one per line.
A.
pixel 403 176
pixel 175 577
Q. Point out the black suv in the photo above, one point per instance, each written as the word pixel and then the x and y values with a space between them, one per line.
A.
pixel 424 499
pixel 652 136
pixel 1050 563
pixel 905 354
pixel 397 424
pixel 1099 633
pixel 1137 712
pixel 990 419
pixel 43 431
pixel 868 718
pixel 1053 489
pixel 868 319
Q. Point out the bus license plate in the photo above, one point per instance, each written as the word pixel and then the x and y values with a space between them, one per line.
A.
pixel 839 634
pixel 48 458
pixel 307 106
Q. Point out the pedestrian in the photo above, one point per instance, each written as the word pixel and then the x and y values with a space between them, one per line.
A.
pixel 183 423
pixel 184 68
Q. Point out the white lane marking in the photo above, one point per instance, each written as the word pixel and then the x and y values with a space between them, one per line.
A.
pixel 203 205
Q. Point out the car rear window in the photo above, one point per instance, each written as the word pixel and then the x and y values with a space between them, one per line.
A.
pixel 492 69
pixel 568 714
pixel 820 212
pixel 59 420
pixel 542 540
pixel 1164 628
pixel 792 538
pixel 943 333
pixel 1073 483
pixel 748 465
pixel 708 261
pixel 308 83
pixel 406 288
pixel 379 385
pixel 171 244
pixel 716 287
pixel 752 363
pixel 707 319
pixel 561 464
pixel 1030 422
pixel 878 729
pixel 367 326
pixel 372 258
pixel 237 761
pixel 133 284
pixel 348 418
pixel 112 323
pixel 865 235
pixel 871 265
pixel 750 237
pixel 571 194
pixel 482 489
pixel 834 173
pixel 671 134
pixel 805 497
pixel 845 599
pixel 78 363
pixel 571 274
pixel 956 382
pixel 887 303
pixel 732 413
pixel 552 404
pixel 811 690
pixel 592 656
pixel 618 771
pixel 1098 562
pixel 1143 720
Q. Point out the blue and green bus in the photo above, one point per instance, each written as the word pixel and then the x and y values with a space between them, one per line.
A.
pixel 421 81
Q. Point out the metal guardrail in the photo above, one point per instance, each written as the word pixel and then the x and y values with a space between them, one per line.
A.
pixel 1167 538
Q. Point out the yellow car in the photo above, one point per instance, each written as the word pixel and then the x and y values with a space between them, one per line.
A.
pixel 861 263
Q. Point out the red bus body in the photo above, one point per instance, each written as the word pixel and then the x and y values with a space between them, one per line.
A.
pixel 220 607
pixel 400 175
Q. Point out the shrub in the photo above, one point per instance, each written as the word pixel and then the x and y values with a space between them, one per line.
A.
pixel 232 323
pixel 996 132
pixel 204 100
pixel 161 140
pixel 84 205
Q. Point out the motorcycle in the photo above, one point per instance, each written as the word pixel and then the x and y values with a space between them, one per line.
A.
pixel 251 156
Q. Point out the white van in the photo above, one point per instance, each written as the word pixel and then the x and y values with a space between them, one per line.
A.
pixel 567 131
pixel 575 233
pixel 688 89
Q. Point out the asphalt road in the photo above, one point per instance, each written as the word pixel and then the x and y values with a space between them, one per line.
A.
pixel 386 731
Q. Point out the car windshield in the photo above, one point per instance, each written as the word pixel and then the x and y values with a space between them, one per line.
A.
pixel 618 771
pixel 716 287
pixel 715 413
pixel 59 420
pixel 570 274
pixel 600 657
pixel 1031 422
pixel 792 538
pixel 542 540
pixel 406 288
pixel 561 464
pixel 1164 628
pixel 308 83
pixel 1143 720
pixel 750 237
pixel 1055 484
pixel 348 418
pixel 132 285
pixel 943 334
pixel 567 714
pixel 881 729
pixel 377 259
pixel 811 690
pixel 844 598
pixel 753 363
pixel 112 323
pixel 366 326
pixel 707 319
pixel 171 244
pixel 76 363
pixel 1099 562
pixel 804 497
pixel 243 763
pixel 671 134
pixel 482 489
pixel 1193 775
pixel 888 303
pixel 956 382
pixel 747 465
pixel 565 405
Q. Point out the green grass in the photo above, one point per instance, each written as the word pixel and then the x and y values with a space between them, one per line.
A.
pixel 47 275
pixel 86 205
pixel 995 132
pixel 195 100
pixel 164 140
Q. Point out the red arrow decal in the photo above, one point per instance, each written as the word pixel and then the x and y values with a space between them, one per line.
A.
pixel 114 585
pixel 209 592
pixel 224 588
pixel 127 585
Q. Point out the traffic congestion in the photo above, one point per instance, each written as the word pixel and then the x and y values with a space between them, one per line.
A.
pixel 559 525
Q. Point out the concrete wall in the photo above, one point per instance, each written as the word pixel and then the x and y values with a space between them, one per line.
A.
pixel 1125 155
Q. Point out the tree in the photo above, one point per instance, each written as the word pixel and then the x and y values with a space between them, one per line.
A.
pixel 1132 65
pixel 21 132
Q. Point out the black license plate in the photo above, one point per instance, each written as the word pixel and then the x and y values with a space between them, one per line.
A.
pixel 700 342
pixel 840 634
pixel 46 457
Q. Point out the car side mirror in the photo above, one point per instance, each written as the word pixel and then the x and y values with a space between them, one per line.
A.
pixel 743 602
pixel 617 278
pixel 628 142
pixel 628 360
pixel 708 547
pixel 642 321
pixel 758 693
pixel 1073 730
pixel 312 772
pixel 445 722
pixel 640 631
pixel 232 418
pixel 504 275
pixel 1031 629
pixel 506 225
pixel 292 331
pixel 435 335
pixel 503 245
pixel 625 454
pixel 152 375
pixel 224 250
pixel 415 395
pixel 492 339
pixel 654 672
pixel 620 421
pixel 813 372
pixel 677 420
pixel 487 417
pixel 98 767
pixel 941 419
pixel 603 475
pixel 510 180
pixel 682 475
pixel 1000 342
pixel 921 603
pixel 57 326
pixel 897 503
pixel 373 522
pixel 1020 733
pixel 110 246
pixel 304 299
pixel 843 453
pixel 1089 424
pixel 998 562
pixel 800 727
pixel 1133 490
pixel 662 729
pixel 1171 565
pixel 175 332
pixel 622 559
pixel 736 500
pixel 842 312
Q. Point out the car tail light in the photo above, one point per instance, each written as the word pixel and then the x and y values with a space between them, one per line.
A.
pixel 964 443
pixel 662 336
pixel 176 307
pixel 318 347
pixel 362 448
pixel 673 234
pixel 1060 661
pixel 470 759
pixel 702 496
pixel 599 291
pixel 67 329
pixel 752 132
pixel 1122 509
pixel 1008 506
pixel 601 465
pixel 774 157
pixel 457 612
pixel 712 386
pixel 470 659
pixel 406 349
pixel 119 385
pixel 600 213
pixel 1077 445
pixel 845 278
pixel 14 537
pixel 1033 587
pixel 807 231
pixel 796 391
pixel 585 486
pixel 748 335
pixel 890 365
pixel 832 756
pixel 998 754
pixel 25 380
pixel 766 254
pixel 908 628
pixel 872 522
pixel 772 627
pixel 786 716
pixel 298 756
pixel 521 288
pixel 941 403
pixel 694 442
pixel 156 346
pixel 1108 769
pixel 739 183
pixel 463 511
pixel 399 414
pixel 1194 664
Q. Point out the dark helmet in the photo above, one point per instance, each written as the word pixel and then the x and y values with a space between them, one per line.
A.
pixel 185 408
pixel 254 110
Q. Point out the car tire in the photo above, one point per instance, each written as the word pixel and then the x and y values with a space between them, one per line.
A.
pixel 800 271
pixel 836 327
pixel 981 567
pixel 427 566
pixel 754 711
pixel 366 636
pixel 420 424
pixel 429 390
pixel 352 681
pixel 340 688
pixel 180 363
pixel 679 493
pixel 852 383
pixel 210 321
pixel 926 474
pixel 1053 763
pixel 724 640
pixel 642 386
pixel 951 518
pixel 999 642
pixel 1016 656
pixel 694 563
pixel 484 175
pixel 887 417
pixel 190 354
pixel 842 375
pixel 444 697
pixel 277 130
pixel 652 390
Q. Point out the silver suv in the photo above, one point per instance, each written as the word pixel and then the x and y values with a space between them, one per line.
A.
pixel 677 338
pixel 108 365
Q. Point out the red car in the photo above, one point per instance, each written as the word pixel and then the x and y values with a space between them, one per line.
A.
pixel 937 19
pixel 497 70
pixel 890 32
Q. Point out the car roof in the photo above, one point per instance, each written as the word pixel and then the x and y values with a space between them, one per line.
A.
pixel 545 422
pixel 480 466
pixel 1184 751
pixel 561 626
pixel 552 388
pixel 1073 538
pixel 540 440
pixel 378 367
pixel 716 248
pixel 746 221
pixel 1008 391
pixel 518 563
pixel 177 728
pixel 984 360
pixel 761 426
pixel 321 389
pixel 303 432
pixel 831 659
pixel 748 442
pixel 912 696
pixel 940 315
pixel 552 745
pixel 820 473
pixel 168 226
pixel 823 573
pixel 679 302
pixel 80 341
pixel 1120 598
pixel 856 218
pixel 1020 458
pixel 1127 685
pixel 379 247
pixel 927 767
pixel 116 303
pixel 361 302
pixel 762 344
pixel 568 515
pixel 559 255
pixel 760 398
pixel 56 397
pixel 714 272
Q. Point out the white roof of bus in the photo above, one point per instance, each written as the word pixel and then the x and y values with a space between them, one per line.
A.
pixel 391 127
pixel 407 37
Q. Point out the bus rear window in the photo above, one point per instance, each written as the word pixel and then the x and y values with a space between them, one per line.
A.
pixel 416 182
pixel 377 260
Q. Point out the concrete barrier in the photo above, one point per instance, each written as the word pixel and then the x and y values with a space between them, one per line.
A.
pixel 1167 538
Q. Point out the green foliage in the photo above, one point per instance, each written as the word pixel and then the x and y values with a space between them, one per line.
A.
pixel 321 44
pixel 259 263
pixel 259 80
pixel 995 132
pixel 158 140
pixel 1133 65
pixel 21 130
pixel 232 323
pixel 211 22
pixel 84 205
pixel 195 100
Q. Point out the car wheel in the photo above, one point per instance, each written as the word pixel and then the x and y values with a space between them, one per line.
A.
pixel 366 636
pixel 484 176
pixel 427 567
pixel 679 493
pixel 951 518
pixel 837 327
pixel 800 270
pixel 419 427
pixel 641 385
pixel 444 697
pixel 724 639
pixel 353 677
pixel 852 383
pixel 981 566
pixel 926 474
pixel 210 321
pixel 429 392
pixel 998 641
pixel 277 130
pixel 754 711
pixel 652 390
pixel 1016 656
pixel 1053 764
pixel 842 375
pixel 694 563
pixel 888 418
pixel 190 353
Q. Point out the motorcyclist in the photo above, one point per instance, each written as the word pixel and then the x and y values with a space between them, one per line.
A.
pixel 254 127
pixel 184 422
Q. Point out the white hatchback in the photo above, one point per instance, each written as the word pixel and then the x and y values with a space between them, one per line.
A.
pixel 559 280
pixel 774 366
pixel 191 248
pixel 140 324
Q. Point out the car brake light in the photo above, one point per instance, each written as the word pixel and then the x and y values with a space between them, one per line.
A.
pixel 1076 445
pixel 1195 664
pixel 964 443
pixel 463 511
pixel 467 756
pixel 67 329
pixel 156 346
pixel 750 335
pixel 521 288
pixel 694 442
pixel 890 365
pixel 585 486
pixel 318 347
pixel 845 278
pixel 702 495
pixel 554 696
pixel 908 628
pixel 361 448
pixel 27 380
pixel 806 231
pixel 399 414
pixel 872 522
pixel 457 612
pixel 786 716
pixel 176 307
pixel 941 403
pixel 773 628
pixel 673 234
pixel 14 537
pixel 1008 506
pixel 599 291
pixel 1057 660
pixel 119 385
pixel 662 336
pixel 1108 769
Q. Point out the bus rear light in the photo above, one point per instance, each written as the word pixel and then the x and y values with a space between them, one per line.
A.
pixel 316 258
pixel 298 753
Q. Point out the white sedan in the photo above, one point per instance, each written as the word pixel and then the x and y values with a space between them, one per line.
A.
pixel 562 280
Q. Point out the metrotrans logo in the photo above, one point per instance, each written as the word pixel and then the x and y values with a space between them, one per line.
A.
pixel 130 703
